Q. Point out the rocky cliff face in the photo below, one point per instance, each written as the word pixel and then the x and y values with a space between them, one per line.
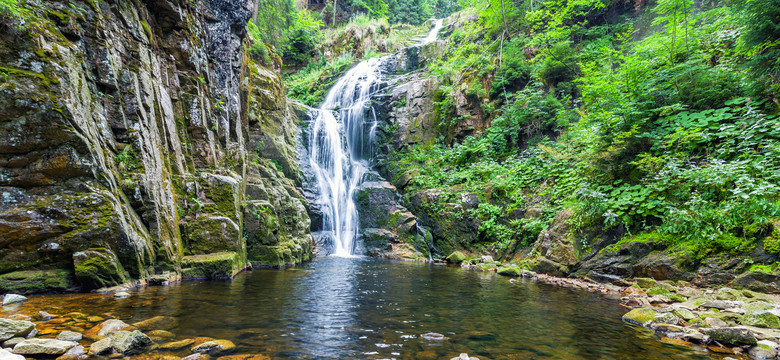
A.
pixel 136 134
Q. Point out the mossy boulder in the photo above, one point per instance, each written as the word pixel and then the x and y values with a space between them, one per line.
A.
pixel 37 281
pixel 646 283
pixel 513 271
pixel 98 267
pixel 210 234
pixel 456 257
pixel 640 316
pixel 211 266
pixel 287 252
pixel 763 319
pixel 732 335
pixel 657 291
pixel 130 342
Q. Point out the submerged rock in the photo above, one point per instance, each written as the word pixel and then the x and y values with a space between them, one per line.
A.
pixel 177 345
pixel 157 323
pixel 106 327
pixel 433 336
pixel 43 347
pixel 70 336
pixel 215 347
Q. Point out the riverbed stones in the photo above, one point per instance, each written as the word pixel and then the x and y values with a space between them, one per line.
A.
pixel 101 347
pixel 215 347
pixel 715 322
pixel 9 299
pixel 640 316
pixel 177 345
pixel 7 355
pixel 43 347
pixel 732 335
pixel 762 319
pixel 14 328
pixel 160 334
pixel 464 356
pixel 433 336
pixel 10 343
pixel 157 323
pixel 130 342
pixel 107 327
pixel 761 351
pixel 43 316
pixel 666 318
pixel 69 336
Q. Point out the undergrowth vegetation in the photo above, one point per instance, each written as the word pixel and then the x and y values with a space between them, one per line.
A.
pixel 657 118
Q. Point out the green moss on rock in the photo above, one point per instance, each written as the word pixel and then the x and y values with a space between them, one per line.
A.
pixel 640 316
pixel 36 281
pixel 514 271
pixel 456 257
pixel 98 267
pixel 211 266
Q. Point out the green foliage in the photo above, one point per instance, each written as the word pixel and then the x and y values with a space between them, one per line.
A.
pixel 761 40
pixel 12 8
pixel 310 85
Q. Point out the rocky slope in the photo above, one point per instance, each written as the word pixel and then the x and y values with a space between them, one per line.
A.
pixel 138 140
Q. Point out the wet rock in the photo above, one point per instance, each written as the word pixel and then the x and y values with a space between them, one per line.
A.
pixel 197 356
pixel 456 257
pixel 640 316
pixel 43 347
pixel 7 355
pixel 70 336
pixel 512 271
pixel 177 345
pixel 732 335
pixel 212 266
pixel 9 299
pixel 245 357
pixel 215 347
pixel 762 352
pixel 758 281
pixel 720 304
pixel 101 347
pixel 157 323
pixel 528 274
pixel 14 328
pixel 432 336
pixel 107 327
pixel 121 294
pixel 75 352
pixel 684 314
pixel 763 319
pixel 130 342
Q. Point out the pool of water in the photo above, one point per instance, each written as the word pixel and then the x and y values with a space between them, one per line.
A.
pixel 359 308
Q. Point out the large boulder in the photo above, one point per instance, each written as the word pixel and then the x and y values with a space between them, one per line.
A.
pixel 14 328
pixel 732 335
pixel 41 347
pixel 223 265
pixel 9 299
pixel 98 267
pixel 384 221
pixel 7 355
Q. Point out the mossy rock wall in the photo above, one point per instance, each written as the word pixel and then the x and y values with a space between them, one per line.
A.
pixel 125 126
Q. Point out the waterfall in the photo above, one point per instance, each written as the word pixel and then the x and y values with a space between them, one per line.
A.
pixel 341 148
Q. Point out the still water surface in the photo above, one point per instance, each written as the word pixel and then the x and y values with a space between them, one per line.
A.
pixel 359 308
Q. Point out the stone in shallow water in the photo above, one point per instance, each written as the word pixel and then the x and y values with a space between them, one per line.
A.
pixel 215 347
pixel 107 327
pixel 43 347
pixel 43 316
pixel 130 342
pixel 69 336
pixel 197 356
pixel 14 328
pixel 433 336
pixel 640 316
pixel 161 334
pixel 101 347
pixel 9 299
pixel 177 345
pixel 157 323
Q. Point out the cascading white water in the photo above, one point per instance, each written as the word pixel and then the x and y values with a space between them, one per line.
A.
pixel 342 145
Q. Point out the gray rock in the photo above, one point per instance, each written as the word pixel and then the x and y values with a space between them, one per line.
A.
pixel 215 347
pixel 10 343
pixel 101 347
pixel 528 274
pixel 684 314
pixel 14 328
pixel 769 343
pixel 69 336
pixel 432 336
pixel 197 356
pixel 7 355
pixel 77 350
pixel 9 299
pixel 130 342
pixel 666 318
pixel 464 356
pixel 732 335
pixel 715 322
pixel 762 352
pixel 42 316
pixel 108 326
pixel 487 259
pixel 43 347
pixel 721 304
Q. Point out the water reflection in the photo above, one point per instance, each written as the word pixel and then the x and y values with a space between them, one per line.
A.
pixel 347 308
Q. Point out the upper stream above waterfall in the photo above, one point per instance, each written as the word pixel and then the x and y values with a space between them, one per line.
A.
pixel 341 149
